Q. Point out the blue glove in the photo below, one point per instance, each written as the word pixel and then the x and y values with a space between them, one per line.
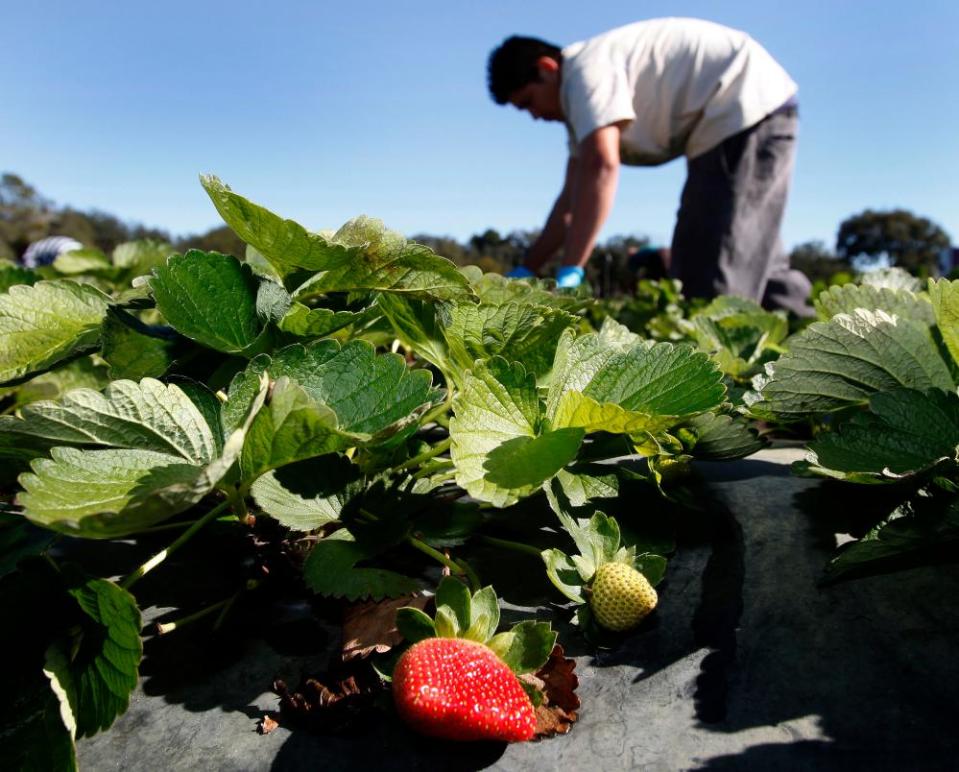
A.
pixel 520 272
pixel 569 276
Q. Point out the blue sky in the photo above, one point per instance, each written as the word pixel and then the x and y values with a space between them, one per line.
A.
pixel 322 111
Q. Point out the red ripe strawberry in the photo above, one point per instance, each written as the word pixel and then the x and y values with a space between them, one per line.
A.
pixel 460 690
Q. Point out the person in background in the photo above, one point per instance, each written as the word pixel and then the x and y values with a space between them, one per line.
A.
pixel 645 94
pixel 45 251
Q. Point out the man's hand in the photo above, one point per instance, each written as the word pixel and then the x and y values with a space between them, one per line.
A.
pixel 569 276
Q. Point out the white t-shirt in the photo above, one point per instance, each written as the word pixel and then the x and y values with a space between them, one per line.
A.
pixel 684 85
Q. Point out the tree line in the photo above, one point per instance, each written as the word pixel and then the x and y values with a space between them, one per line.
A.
pixel 865 240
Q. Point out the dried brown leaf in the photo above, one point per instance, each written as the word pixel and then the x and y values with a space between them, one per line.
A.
pixel 331 702
pixel 557 712
pixel 370 627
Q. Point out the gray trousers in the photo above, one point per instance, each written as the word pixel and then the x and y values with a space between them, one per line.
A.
pixel 727 240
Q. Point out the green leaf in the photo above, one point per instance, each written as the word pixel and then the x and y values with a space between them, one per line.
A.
pixel 583 483
pixel 904 433
pixel 893 277
pixel 386 262
pixel 496 290
pixel 113 493
pixel 839 363
pixel 331 570
pixel 105 668
pixel 945 303
pixel 518 331
pixel 605 538
pixel 525 462
pixel 305 322
pixel 105 494
pixel 138 258
pixel 310 494
pixel 662 380
pixel 576 362
pixel 498 403
pixel 373 396
pixel 895 302
pixel 526 647
pixel 46 323
pixel 78 374
pixel 292 427
pixel 414 625
pixel 131 352
pixel 272 301
pixel 916 529
pixel 597 539
pixel 362 255
pixel 209 298
pixel 455 596
pixel 287 245
pixel 208 405
pixel 418 325
pixel 563 573
pixel 147 416
pixel 579 411
pixel 601 385
pixel 653 567
pixel 717 437
pixel 11 275
pixel 83 261
pixel 738 344
pixel 448 527
pixel 617 334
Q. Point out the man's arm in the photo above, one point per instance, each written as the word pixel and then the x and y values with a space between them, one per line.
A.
pixel 592 194
pixel 553 234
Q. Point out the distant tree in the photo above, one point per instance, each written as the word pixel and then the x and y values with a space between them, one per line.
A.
pixel 905 239
pixel 817 261
pixel 109 231
pixel 445 246
pixel 220 239
pixel 24 214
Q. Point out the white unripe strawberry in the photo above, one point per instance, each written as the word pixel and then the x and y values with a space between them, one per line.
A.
pixel 620 596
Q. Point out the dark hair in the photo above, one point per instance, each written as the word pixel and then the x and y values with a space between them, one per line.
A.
pixel 513 65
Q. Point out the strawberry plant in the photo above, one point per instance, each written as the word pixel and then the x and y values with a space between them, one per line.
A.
pixel 374 403
pixel 458 680
pixel 880 371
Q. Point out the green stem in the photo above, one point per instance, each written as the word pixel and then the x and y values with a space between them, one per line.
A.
pixel 426 455
pixel 167 527
pixel 512 545
pixel 434 553
pixel 237 499
pixel 162 555
pixel 438 413
pixel 251 584
pixel 429 469
pixel 169 627
pixel 471 575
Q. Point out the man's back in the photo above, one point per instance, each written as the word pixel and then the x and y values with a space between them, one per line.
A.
pixel 684 85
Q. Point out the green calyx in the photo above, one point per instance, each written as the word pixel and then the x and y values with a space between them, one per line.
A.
pixel 475 617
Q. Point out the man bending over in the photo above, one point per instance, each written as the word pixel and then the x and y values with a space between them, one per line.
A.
pixel 647 93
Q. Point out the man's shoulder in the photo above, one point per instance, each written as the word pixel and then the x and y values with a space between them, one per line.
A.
pixel 649 30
